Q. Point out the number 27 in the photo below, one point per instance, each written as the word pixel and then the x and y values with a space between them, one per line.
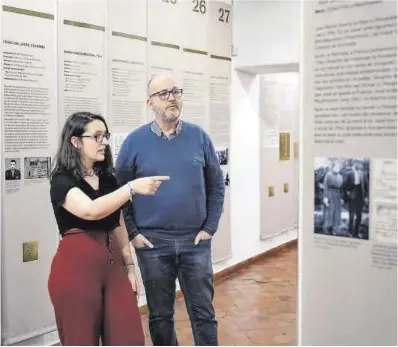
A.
pixel 223 12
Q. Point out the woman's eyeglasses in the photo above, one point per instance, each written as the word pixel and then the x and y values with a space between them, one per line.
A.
pixel 98 137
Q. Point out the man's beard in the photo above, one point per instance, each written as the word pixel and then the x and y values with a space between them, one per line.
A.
pixel 167 118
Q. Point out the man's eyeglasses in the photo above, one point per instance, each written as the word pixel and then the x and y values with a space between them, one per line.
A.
pixel 98 137
pixel 165 94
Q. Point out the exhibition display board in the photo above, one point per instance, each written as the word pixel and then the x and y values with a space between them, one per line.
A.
pixel 65 56
pixel 29 138
pixel 219 43
pixel 81 57
pixel 279 134
pixel 348 188
pixel 127 74
pixel 1 192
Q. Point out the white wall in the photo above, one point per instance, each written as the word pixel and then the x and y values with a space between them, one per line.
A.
pixel 266 31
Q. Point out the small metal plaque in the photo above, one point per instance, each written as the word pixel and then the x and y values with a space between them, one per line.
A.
pixel 284 146
pixel 30 251
pixel 286 187
pixel 271 191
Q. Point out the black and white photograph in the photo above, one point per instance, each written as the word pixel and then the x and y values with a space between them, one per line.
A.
pixel 37 167
pixel 13 169
pixel 341 192
pixel 222 156
pixel 225 175
pixel 223 160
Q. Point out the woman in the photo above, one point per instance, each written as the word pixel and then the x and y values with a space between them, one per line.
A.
pixel 332 199
pixel 92 283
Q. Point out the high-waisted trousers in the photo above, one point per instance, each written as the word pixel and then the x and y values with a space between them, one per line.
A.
pixel 92 296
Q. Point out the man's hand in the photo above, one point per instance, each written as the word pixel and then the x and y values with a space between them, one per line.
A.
pixel 202 235
pixel 140 241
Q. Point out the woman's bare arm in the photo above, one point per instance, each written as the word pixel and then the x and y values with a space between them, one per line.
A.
pixel 79 204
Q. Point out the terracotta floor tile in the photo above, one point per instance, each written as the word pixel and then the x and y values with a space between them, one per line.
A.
pixel 282 339
pixel 255 306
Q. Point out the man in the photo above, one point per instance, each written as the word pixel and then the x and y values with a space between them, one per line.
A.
pixel 355 189
pixel 13 173
pixel 172 231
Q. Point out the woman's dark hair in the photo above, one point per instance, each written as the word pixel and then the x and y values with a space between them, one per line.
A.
pixel 68 157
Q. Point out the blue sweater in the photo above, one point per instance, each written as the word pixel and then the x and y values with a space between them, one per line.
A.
pixel 190 201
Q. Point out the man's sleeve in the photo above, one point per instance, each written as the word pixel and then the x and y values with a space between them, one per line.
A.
pixel 125 172
pixel 215 187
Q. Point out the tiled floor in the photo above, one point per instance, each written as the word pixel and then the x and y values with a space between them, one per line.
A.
pixel 256 306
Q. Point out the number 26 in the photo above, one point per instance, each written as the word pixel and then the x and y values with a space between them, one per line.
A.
pixel 200 6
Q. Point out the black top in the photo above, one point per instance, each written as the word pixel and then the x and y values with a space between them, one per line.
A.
pixel 62 182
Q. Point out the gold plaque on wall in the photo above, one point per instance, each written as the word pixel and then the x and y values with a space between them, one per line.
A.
pixel 30 251
pixel 271 191
pixel 286 187
pixel 284 146
pixel 296 150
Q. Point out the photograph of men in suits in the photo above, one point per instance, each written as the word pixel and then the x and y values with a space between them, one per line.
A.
pixel 356 192
pixel 13 173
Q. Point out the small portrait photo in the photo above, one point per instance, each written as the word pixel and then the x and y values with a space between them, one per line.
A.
pixel 13 169
pixel 225 174
pixel 341 193
pixel 222 156
pixel 223 160
pixel 37 167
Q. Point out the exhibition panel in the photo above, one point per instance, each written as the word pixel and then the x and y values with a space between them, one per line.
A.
pixel 348 187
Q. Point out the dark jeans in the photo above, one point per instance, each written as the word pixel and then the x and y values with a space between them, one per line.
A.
pixel 192 265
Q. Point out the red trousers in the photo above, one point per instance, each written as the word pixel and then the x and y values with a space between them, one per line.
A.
pixel 91 293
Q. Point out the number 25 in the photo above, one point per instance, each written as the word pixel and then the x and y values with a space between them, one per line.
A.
pixel 200 6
